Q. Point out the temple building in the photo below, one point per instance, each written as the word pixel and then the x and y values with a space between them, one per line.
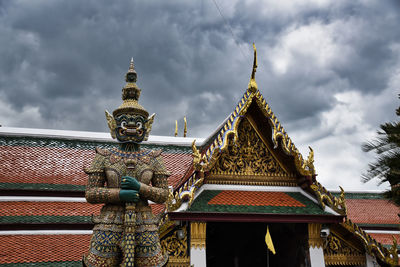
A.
pixel 244 196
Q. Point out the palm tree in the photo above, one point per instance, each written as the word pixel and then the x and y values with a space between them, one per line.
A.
pixel 387 165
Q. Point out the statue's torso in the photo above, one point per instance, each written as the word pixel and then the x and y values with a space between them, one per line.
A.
pixel 115 167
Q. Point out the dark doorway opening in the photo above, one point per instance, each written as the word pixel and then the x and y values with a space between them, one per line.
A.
pixel 243 245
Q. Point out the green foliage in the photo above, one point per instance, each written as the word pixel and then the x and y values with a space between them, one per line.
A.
pixel 386 167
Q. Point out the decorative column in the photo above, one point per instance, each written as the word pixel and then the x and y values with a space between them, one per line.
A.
pixel 316 245
pixel 198 244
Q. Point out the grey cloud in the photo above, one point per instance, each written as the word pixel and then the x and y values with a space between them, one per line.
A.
pixel 76 53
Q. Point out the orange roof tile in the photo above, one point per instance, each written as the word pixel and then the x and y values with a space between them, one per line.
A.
pixel 39 248
pixel 24 208
pixel 372 211
pixel 255 198
pixel 157 208
pixel 22 164
pixel 52 165
pixel 177 164
pixel 385 239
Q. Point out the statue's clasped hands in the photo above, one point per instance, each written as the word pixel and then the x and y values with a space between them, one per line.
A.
pixel 129 189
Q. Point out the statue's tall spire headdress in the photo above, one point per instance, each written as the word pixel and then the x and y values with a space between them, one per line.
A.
pixel 131 94
pixel 130 105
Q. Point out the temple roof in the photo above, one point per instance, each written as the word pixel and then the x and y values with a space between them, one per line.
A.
pixel 46 172
pixel 47 160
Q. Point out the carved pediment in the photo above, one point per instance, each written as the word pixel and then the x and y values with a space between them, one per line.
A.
pixel 337 251
pixel 249 158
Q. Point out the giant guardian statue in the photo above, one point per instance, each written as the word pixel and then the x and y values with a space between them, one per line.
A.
pixel 125 179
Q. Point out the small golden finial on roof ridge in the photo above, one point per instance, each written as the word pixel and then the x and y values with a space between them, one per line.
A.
pixel 176 128
pixel 185 127
pixel 252 84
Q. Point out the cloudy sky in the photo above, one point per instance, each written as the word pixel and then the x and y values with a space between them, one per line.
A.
pixel 330 70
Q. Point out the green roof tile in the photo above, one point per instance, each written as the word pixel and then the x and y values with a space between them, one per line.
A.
pixel 47 187
pixel 201 205
pixel 45 219
pixel 44 264
pixel 80 144
pixel 361 195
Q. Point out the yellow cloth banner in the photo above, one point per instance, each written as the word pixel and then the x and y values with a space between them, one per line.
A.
pixel 268 241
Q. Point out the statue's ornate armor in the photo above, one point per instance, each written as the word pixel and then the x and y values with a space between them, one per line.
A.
pixel 103 186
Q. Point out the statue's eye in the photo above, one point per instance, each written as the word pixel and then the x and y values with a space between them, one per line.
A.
pixel 123 124
pixel 139 125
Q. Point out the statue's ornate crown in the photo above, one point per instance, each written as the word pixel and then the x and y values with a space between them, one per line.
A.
pixel 130 95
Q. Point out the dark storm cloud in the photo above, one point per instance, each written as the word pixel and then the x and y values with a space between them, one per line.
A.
pixel 68 58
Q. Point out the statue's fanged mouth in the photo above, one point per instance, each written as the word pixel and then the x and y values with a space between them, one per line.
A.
pixel 130 131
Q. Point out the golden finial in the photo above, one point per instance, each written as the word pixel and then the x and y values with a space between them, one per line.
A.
pixel 176 128
pixel 185 127
pixel 252 84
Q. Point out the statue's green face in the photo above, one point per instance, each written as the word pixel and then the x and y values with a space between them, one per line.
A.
pixel 130 128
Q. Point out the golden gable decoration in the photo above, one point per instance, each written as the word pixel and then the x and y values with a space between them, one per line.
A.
pixel 248 161
pixel 339 252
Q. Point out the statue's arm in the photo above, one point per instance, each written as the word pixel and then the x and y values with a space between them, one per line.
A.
pixel 96 192
pixel 158 192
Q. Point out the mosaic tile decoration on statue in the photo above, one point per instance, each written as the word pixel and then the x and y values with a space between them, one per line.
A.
pixel 57 164
pixel 227 201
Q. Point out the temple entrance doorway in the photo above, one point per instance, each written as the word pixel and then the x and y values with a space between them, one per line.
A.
pixel 240 244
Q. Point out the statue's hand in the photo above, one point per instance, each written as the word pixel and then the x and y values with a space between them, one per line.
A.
pixel 128 182
pixel 128 195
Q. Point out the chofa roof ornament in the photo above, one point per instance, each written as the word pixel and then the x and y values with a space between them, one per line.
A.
pixel 252 84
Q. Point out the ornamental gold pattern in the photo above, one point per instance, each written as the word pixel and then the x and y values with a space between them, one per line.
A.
pixel 248 156
pixel 338 252
pixel 186 192
pixel 174 246
pixel 314 235
pixel 198 235
pixel 389 256
pixel 188 189
pixel 338 204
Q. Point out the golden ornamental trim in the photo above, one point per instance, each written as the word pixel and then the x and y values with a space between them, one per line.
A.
pixel 178 261
pixel 174 246
pixel 198 235
pixel 314 235
pixel 341 259
pixel 338 204
pixel 389 256
pixel 165 226
pixel 244 182
pixel 186 192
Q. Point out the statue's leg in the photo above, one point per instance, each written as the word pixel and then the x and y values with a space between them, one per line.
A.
pixel 148 250
pixel 104 250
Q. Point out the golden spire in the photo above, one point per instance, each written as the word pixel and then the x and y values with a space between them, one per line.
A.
pixel 185 127
pixel 252 84
pixel 176 128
